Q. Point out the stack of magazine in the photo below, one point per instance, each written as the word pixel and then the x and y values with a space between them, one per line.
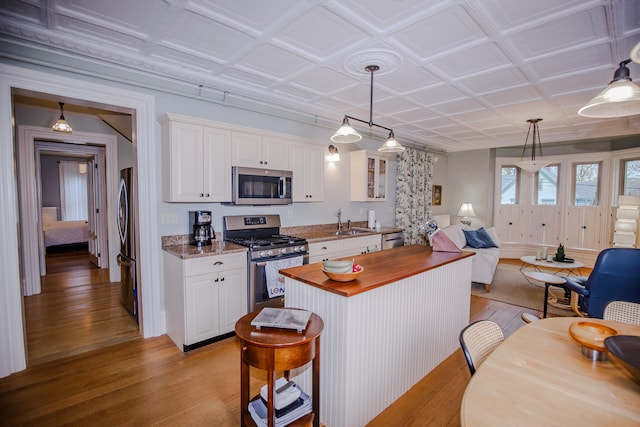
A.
pixel 291 403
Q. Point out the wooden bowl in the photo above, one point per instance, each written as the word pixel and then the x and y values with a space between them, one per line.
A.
pixel 342 277
pixel 591 335
pixel 625 351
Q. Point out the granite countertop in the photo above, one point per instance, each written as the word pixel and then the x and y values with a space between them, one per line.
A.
pixel 219 247
pixel 322 233
pixel 380 268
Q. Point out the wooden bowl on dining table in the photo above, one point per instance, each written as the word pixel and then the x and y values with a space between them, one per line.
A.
pixel 591 335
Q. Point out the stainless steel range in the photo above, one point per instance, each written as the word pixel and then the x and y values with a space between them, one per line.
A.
pixel 269 251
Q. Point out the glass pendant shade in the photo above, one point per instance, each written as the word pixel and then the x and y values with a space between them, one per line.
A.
pixel 346 134
pixel 391 145
pixel 619 99
pixel 533 164
pixel 61 125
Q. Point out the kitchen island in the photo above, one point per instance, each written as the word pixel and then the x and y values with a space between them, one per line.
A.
pixel 383 331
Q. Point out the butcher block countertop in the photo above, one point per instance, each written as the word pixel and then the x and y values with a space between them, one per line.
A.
pixel 380 268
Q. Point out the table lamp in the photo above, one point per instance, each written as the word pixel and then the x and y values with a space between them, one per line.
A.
pixel 466 212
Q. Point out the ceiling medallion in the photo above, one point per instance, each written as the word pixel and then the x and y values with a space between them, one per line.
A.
pixel 386 60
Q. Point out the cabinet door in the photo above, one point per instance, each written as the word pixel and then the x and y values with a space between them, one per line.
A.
pixel 233 298
pixel 307 164
pixel 217 165
pixel 201 308
pixel 275 153
pixel 368 177
pixel 511 223
pixel 582 227
pixel 246 150
pixel 544 225
pixel 186 165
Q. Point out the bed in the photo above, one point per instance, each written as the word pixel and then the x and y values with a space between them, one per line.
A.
pixel 58 233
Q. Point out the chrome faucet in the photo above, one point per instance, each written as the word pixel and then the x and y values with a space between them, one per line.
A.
pixel 339 220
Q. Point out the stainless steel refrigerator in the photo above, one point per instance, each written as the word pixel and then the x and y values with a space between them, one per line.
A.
pixel 127 256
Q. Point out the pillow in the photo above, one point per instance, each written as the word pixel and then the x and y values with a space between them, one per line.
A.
pixel 494 235
pixel 49 215
pixel 479 238
pixel 454 232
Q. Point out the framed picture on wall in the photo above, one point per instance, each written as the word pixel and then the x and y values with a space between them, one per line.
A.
pixel 437 195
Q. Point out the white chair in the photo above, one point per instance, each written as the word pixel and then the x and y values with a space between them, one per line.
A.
pixel 478 340
pixel 622 311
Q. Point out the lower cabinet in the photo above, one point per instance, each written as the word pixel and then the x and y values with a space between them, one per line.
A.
pixel 204 297
pixel 331 249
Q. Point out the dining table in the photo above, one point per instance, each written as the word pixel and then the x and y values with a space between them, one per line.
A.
pixel 539 377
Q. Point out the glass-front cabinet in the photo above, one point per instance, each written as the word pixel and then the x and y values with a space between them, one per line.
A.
pixel 368 177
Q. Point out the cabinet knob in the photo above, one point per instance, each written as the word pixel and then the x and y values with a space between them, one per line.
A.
pixel 216 280
pixel 544 225
pixel 222 279
pixel 201 195
pixel 510 223
pixel 218 263
pixel 207 195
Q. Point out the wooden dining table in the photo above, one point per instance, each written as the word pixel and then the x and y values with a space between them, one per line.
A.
pixel 539 377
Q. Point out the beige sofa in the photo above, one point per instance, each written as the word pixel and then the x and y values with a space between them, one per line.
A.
pixel 485 262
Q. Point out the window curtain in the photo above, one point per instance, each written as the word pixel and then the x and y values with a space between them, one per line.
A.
pixel 73 191
pixel 413 193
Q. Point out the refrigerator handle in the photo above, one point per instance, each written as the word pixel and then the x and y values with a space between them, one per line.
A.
pixel 123 261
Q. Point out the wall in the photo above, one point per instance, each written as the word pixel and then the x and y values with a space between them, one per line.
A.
pixel 50 180
pixel 470 179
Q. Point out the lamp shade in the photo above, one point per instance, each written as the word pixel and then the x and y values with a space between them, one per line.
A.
pixel 466 210
pixel 61 125
pixel 391 145
pixel 346 134
pixel 532 165
pixel 619 99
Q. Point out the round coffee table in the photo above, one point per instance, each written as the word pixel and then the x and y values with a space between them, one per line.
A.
pixel 548 280
pixel 530 261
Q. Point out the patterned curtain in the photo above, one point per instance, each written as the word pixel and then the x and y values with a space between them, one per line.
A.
pixel 413 193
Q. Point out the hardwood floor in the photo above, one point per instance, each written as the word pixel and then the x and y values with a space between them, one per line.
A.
pixel 150 382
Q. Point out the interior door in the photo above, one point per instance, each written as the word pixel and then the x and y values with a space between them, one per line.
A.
pixel 97 218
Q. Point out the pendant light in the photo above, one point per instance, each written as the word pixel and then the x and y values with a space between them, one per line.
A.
pixel 620 98
pixel 62 125
pixel 533 164
pixel 346 134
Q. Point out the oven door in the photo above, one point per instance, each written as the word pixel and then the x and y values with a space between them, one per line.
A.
pixel 260 281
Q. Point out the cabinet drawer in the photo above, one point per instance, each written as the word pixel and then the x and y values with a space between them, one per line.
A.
pixel 214 264
pixel 323 247
pixel 360 242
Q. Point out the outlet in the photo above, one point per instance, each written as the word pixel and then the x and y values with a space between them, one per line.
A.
pixel 169 218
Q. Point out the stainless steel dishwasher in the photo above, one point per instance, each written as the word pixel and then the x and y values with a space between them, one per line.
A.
pixel 392 240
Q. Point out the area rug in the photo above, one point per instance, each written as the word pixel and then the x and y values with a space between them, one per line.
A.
pixel 511 287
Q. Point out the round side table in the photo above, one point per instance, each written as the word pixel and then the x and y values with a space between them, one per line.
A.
pixel 275 350
pixel 548 280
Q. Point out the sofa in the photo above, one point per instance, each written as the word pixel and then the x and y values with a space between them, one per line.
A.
pixel 485 261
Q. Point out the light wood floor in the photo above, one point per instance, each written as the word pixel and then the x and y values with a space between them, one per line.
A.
pixel 122 379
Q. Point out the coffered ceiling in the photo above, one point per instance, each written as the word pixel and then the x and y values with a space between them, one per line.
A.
pixel 454 74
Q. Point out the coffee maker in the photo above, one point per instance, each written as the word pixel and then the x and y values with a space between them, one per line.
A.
pixel 201 228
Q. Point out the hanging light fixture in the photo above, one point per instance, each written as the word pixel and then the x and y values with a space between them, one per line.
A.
pixel 346 134
pixel 620 98
pixel 62 125
pixel 532 165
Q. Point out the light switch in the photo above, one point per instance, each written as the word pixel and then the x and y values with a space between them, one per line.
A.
pixel 169 218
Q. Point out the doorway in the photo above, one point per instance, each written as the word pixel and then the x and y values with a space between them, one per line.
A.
pixel 99 153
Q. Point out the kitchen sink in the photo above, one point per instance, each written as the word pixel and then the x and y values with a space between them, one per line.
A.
pixel 347 232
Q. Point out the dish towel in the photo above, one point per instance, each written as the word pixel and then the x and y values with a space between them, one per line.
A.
pixel 275 280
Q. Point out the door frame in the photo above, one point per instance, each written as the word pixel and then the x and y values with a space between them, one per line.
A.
pixel 104 148
pixel 12 332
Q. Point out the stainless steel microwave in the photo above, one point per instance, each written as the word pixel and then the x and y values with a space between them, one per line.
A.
pixel 254 186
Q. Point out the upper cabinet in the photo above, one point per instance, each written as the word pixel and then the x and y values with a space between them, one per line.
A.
pixel 368 177
pixel 308 172
pixel 196 162
pixel 256 151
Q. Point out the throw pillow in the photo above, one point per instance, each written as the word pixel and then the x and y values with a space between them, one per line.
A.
pixel 454 232
pixel 479 238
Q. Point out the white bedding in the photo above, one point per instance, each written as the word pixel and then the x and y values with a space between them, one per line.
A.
pixel 65 232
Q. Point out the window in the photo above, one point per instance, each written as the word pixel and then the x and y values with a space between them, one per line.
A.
pixel 547 185
pixel 510 184
pixel 586 184
pixel 630 177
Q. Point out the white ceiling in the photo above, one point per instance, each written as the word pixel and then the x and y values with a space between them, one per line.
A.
pixel 455 74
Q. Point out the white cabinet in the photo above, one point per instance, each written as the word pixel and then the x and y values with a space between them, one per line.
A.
pixel 256 151
pixel 197 163
pixel 368 177
pixel 544 225
pixel 511 223
pixel 331 249
pixel 307 164
pixel 204 297
pixel 582 227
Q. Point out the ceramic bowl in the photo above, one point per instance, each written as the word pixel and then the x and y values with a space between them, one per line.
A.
pixel 342 277
pixel 591 335
pixel 625 353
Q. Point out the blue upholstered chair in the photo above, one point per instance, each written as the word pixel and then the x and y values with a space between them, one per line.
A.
pixel 615 277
